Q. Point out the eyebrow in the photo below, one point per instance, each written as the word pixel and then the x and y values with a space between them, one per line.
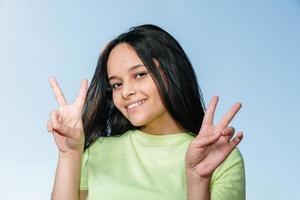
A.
pixel 130 69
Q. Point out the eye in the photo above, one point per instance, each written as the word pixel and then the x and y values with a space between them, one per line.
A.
pixel 140 75
pixel 115 85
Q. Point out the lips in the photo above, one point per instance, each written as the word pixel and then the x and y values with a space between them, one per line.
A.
pixel 135 104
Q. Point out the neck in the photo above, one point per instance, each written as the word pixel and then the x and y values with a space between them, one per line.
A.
pixel 163 128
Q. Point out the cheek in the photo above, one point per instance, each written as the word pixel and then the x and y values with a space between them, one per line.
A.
pixel 154 92
pixel 116 100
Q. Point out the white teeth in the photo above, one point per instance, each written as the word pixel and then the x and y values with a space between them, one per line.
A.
pixel 135 104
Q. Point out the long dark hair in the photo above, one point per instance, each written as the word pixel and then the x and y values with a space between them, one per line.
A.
pixel 173 75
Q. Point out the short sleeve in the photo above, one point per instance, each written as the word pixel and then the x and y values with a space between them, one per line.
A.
pixel 228 180
pixel 84 171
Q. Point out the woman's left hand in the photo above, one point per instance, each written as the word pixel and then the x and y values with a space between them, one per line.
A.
pixel 213 143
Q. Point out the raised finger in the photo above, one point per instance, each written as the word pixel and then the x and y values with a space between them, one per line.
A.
pixel 210 112
pixel 226 119
pixel 82 93
pixel 57 92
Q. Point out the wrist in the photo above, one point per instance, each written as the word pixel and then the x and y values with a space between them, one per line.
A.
pixel 70 154
pixel 195 177
pixel 197 187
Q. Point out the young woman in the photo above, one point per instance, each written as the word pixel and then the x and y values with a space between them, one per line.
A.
pixel 141 131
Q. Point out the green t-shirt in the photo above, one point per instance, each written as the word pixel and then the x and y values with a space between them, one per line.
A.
pixel 138 165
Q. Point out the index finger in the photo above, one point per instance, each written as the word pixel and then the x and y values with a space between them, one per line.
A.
pixel 82 93
pixel 226 119
pixel 57 92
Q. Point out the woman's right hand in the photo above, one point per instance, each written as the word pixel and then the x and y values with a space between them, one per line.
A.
pixel 66 123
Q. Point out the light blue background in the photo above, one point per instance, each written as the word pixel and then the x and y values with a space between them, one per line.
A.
pixel 245 51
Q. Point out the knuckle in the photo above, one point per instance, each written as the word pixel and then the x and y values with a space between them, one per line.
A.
pixel 55 125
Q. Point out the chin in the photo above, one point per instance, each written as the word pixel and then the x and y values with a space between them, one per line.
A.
pixel 137 122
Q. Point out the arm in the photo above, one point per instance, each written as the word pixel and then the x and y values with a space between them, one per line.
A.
pixel 71 181
pixel 228 181
pixel 66 126
pixel 67 177
pixel 197 189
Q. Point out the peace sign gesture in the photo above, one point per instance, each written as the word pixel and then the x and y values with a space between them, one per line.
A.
pixel 66 123
pixel 213 144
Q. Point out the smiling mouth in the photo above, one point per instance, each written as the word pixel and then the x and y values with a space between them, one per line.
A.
pixel 135 105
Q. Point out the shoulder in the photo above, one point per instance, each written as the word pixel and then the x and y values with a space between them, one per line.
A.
pixel 234 157
pixel 228 180
pixel 233 165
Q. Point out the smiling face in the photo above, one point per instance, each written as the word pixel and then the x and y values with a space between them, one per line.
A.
pixel 134 92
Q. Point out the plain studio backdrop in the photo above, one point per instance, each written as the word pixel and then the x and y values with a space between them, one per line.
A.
pixel 246 51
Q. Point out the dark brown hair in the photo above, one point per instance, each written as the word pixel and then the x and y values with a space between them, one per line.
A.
pixel 182 96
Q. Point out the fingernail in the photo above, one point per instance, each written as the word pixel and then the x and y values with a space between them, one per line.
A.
pixel 240 136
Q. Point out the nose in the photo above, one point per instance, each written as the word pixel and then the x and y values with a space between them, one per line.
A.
pixel 128 90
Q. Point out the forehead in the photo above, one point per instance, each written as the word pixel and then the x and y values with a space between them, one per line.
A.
pixel 121 58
